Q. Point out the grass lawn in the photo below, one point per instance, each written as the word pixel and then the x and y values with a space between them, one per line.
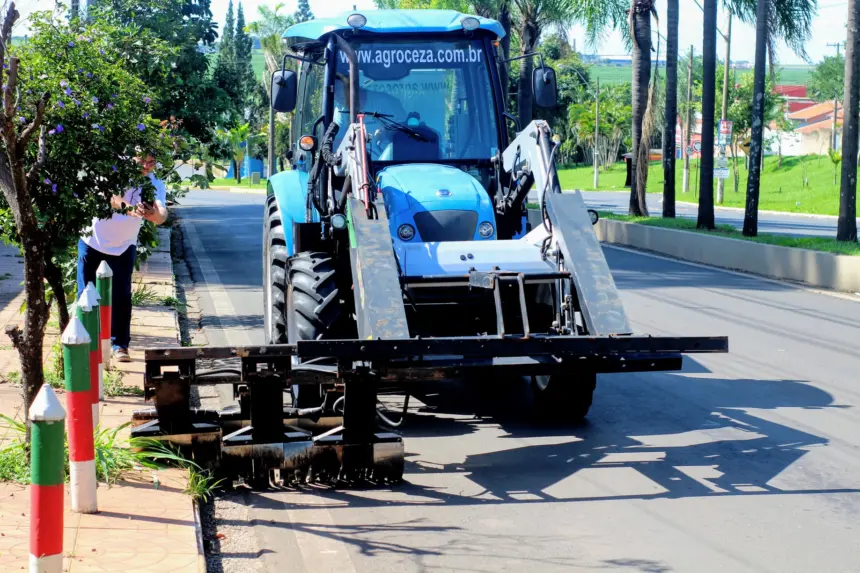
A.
pixel 813 243
pixel 781 189
pixel 246 183
pixel 791 75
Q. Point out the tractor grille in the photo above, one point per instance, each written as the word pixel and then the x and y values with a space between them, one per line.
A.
pixel 438 226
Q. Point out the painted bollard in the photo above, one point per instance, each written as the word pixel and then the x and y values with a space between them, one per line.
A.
pixel 47 475
pixel 104 286
pixel 76 363
pixel 97 343
pixel 88 313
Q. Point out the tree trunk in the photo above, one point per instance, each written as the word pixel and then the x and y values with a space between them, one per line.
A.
pixel 671 108
pixel 706 172
pixel 641 19
pixel 54 276
pixel 754 175
pixel 721 183
pixel 847 225
pixel 504 69
pixel 525 97
pixel 689 120
pixel 736 171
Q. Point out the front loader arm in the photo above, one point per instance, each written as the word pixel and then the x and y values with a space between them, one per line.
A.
pixel 529 161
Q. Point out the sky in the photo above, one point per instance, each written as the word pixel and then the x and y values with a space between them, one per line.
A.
pixel 828 26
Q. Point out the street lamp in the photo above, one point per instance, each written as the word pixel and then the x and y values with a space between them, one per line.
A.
pixel 596 121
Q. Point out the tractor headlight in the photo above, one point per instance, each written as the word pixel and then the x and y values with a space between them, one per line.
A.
pixel 338 221
pixel 406 232
pixel 486 230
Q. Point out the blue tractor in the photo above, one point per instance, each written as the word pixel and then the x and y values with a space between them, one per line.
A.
pixel 413 238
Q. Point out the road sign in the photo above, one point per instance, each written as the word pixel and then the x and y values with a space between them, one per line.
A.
pixel 721 168
pixel 697 146
pixel 689 150
pixel 725 134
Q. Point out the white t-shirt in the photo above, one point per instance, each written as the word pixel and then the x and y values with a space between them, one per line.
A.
pixel 115 235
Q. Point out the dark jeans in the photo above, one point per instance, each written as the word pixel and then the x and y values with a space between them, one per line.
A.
pixel 122 266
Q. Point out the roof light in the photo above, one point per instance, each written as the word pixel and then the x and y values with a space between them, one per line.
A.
pixel 470 23
pixel 357 21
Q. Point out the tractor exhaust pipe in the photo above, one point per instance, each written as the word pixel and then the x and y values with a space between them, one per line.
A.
pixel 344 46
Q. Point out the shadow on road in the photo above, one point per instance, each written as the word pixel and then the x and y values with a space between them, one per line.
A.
pixel 642 443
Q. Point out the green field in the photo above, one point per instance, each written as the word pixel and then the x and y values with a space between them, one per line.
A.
pixel 258 62
pixel 220 183
pixel 782 189
pixel 683 224
pixel 793 75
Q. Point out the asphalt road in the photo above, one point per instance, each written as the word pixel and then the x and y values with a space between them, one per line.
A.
pixel 742 462
pixel 779 224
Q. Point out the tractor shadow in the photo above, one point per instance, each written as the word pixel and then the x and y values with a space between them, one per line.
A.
pixel 650 435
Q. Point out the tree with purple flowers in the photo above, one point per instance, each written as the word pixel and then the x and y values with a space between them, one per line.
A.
pixel 72 121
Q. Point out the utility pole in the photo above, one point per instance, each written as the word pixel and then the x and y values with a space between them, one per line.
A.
pixel 721 183
pixel 596 130
pixel 688 128
pixel 838 46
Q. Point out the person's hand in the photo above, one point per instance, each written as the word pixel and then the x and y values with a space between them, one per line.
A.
pixel 151 212
pixel 116 202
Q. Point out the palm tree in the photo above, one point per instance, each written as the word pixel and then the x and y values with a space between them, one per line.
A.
pixel 846 229
pixel 640 32
pixel 706 165
pixel 671 108
pixel 237 138
pixel 787 20
pixel 269 29
pixel 751 212
pixel 534 17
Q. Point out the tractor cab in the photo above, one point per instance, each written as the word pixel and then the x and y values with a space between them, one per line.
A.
pixel 430 101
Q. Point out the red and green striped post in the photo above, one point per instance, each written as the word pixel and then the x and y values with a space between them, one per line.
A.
pixel 76 363
pixel 101 370
pixel 47 475
pixel 88 313
pixel 104 286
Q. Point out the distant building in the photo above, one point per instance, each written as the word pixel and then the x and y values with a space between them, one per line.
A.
pixel 814 125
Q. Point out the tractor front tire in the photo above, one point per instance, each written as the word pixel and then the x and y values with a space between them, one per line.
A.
pixel 314 310
pixel 563 398
pixel 274 275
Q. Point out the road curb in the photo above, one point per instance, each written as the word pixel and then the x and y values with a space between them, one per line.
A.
pixel 239 190
pixel 198 535
pixel 766 212
pixel 813 268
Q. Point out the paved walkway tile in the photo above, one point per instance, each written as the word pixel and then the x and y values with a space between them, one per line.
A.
pixel 146 522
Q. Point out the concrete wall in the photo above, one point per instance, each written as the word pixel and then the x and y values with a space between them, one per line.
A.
pixel 825 270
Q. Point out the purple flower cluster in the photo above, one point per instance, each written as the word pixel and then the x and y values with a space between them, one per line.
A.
pixel 141 127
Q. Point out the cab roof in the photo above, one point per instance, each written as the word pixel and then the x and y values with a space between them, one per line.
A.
pixel 392 22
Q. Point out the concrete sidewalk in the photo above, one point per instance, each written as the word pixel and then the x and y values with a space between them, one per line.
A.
pixel 145 521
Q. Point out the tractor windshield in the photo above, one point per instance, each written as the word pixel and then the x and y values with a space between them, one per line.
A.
pixel 440 90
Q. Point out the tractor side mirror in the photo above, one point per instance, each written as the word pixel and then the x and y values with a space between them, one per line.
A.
pixel 284 90
pixel 594 216
pixel 544 87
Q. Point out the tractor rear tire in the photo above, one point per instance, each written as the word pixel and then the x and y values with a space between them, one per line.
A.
pixel 274 275
pixel 563 398
pixel 314 310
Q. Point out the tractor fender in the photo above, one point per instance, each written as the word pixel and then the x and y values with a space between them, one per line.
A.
pixel 290 189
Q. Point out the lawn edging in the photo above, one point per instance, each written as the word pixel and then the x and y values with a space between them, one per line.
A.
pixel 813 268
